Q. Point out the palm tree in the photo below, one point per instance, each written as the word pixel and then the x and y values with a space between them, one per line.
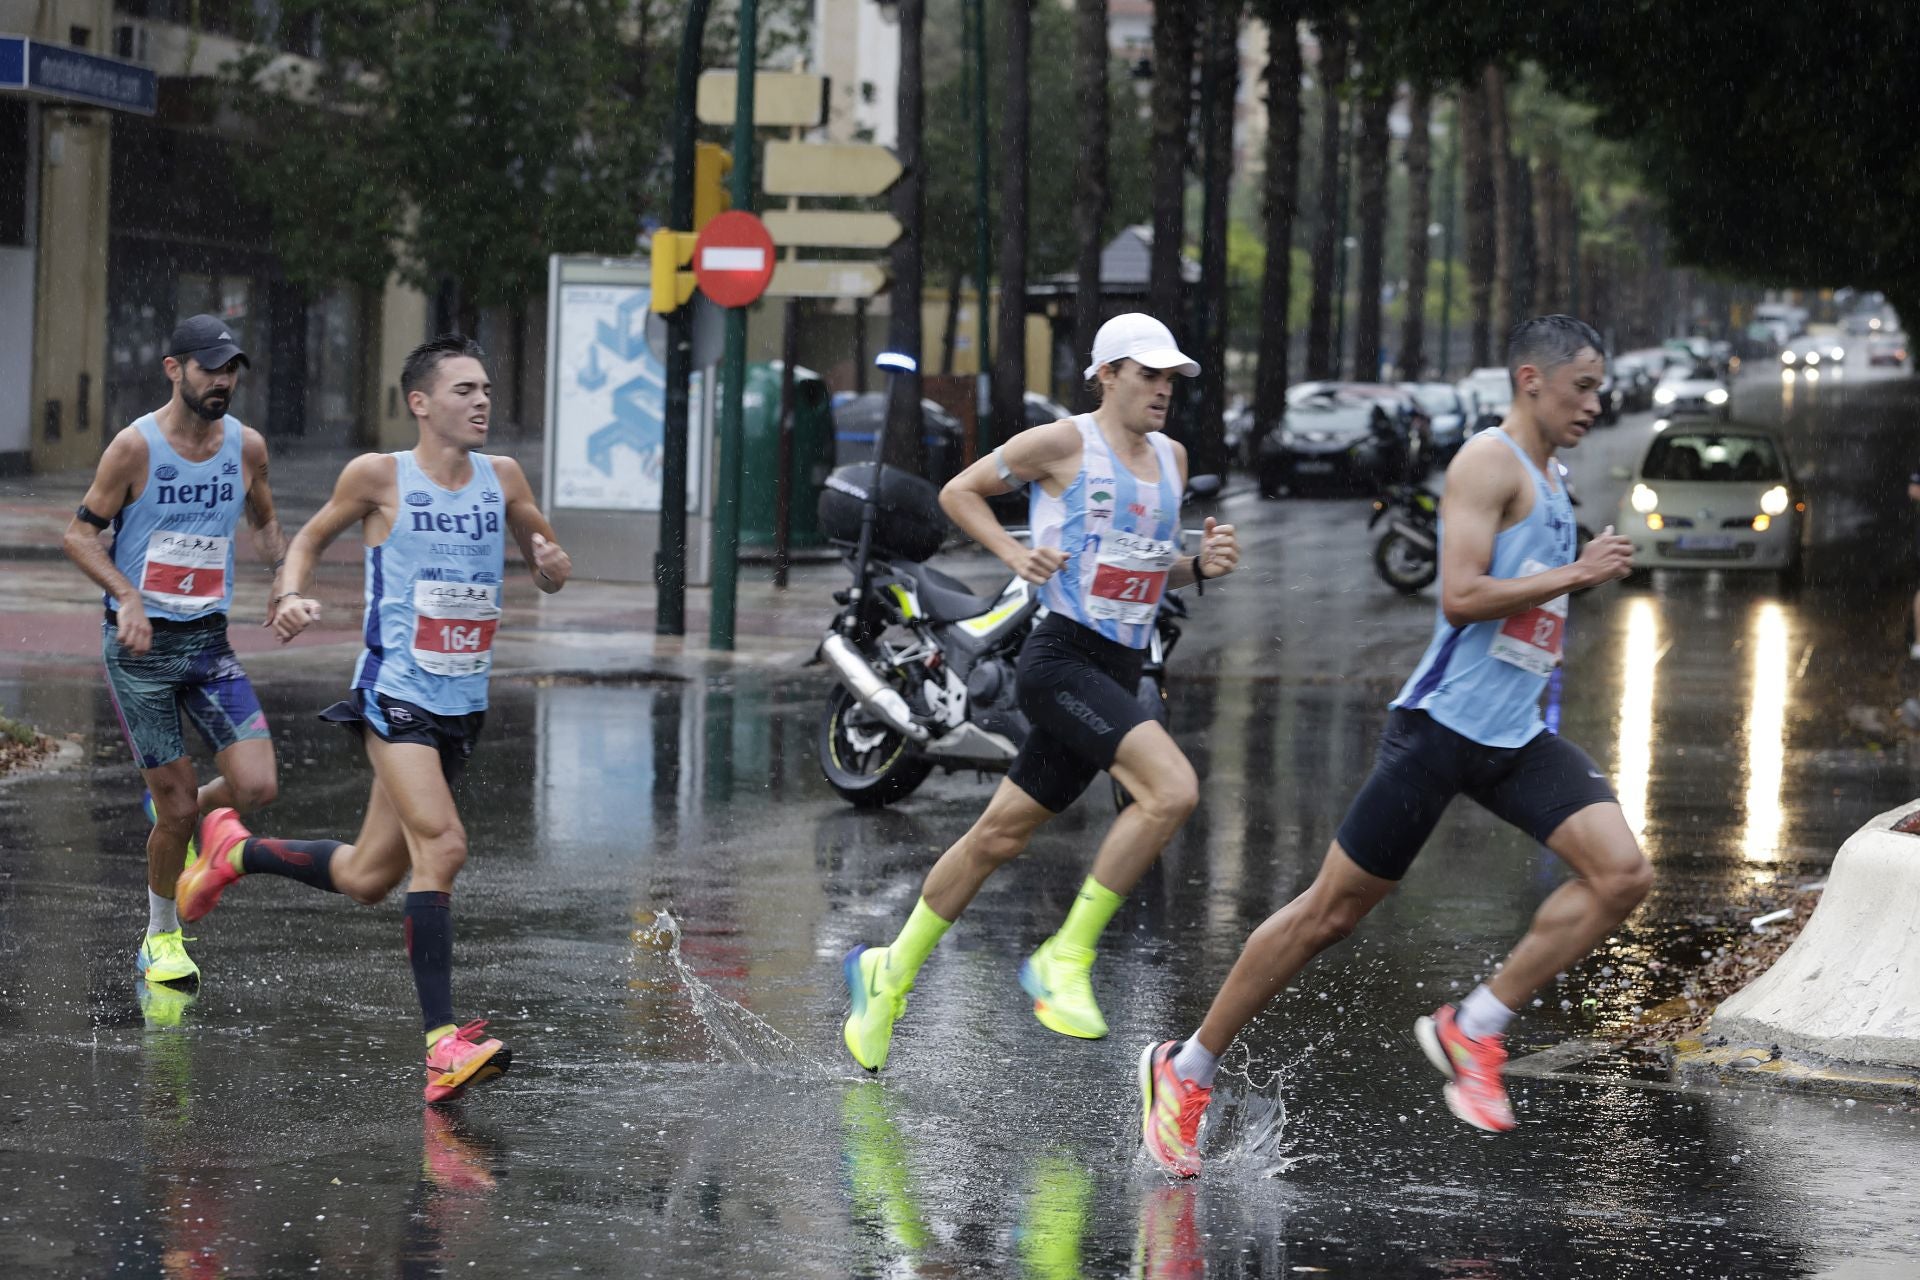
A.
pixel 1219 79
pixel 1010 349
pixel 1281 196
pixel 1090 198
pixel 1326 230
pixel 1476 171
pixel 1506 205
pixel 905 446
pixel 1172 106
pixel 1413 331
pixel 1370 183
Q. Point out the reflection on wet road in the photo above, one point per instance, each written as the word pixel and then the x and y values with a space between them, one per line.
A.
pixel 661 887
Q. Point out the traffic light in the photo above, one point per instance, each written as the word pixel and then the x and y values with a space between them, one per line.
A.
pixel 711 165
pixel 672 282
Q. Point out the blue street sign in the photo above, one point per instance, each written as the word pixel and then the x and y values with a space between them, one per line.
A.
pixel 74 75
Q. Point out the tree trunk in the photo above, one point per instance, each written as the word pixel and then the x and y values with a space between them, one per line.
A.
pixel 1413 330
pixel 1476 206
pixel 1091 199
pixel 1010 347
pixel 1370 189
pixel 1332 76
pixel 1281 196
pixel 1173 40
pixel 1526 257
pixel 1549 295
pixel 949 332
pixel 906 447
pixel 1204 433
pixel 1506 222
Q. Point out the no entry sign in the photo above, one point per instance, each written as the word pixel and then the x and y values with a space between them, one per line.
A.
pixel 733 259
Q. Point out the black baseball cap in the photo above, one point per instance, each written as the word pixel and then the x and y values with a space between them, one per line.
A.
pixel 206 339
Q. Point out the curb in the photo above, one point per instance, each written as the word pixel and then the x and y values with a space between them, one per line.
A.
pixel 1769 1067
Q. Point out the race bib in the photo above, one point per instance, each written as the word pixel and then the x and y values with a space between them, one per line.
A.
pixel 1128 577
pixel 453 626
pixel 186 572
pixel 1532 640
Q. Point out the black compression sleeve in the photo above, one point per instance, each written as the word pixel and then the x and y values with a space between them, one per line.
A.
pixel 98 522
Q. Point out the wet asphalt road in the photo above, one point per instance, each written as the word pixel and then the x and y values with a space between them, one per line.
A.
pixel 662 885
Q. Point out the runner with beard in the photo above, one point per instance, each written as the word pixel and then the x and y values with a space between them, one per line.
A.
pixel 173 487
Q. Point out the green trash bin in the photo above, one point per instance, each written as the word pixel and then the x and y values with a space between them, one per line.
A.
pixel 760 455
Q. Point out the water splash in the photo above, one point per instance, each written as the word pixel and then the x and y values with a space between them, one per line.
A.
pixel 734 1032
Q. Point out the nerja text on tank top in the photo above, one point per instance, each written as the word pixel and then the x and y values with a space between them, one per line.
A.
pixel 1121 535
pixel 433 591
pixel 175 541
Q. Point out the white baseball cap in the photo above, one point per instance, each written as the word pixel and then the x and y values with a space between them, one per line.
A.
pixel 1134 335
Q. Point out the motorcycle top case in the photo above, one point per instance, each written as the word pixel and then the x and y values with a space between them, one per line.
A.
pixel 908 523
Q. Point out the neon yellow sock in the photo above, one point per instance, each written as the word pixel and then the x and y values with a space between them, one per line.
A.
pixel 1092 908
pixel 439 1033
pixel 918 937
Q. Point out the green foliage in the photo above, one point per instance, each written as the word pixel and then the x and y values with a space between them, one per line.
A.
pixel 1246 269
pixel 18 730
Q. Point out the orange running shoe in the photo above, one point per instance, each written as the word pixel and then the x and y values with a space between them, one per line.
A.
pixel 1476 1092
pixel 1172 1107
pixel 461 1058
pixel 202 883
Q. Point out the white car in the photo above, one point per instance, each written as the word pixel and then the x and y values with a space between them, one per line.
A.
pixel 1691 389
pixel 1713 497
pixel 1810 352
pixel 1490 392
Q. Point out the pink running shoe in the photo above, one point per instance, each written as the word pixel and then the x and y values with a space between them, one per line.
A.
pixel 1475 1093
pixel 461 1058
pixel 1171 1109
pixel 202 883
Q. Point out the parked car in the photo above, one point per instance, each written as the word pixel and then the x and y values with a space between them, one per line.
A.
pixel 1040 410
pixel 856 425
pixel 1710 497
pixel 1490 391
pixel 1449 414
pixel 1696 389
pixel 1634 377
pixel 1887 348
pixel 1330 435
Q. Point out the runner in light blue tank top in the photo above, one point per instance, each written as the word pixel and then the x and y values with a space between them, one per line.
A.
pixel 1484 680
pixel 1121 536
pixel 175 541
pixel 436 520
pixel 433 592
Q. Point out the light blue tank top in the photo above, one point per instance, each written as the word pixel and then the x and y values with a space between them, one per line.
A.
pixel 175 541
pixel 433 591
pixel 1484 680
pixel 1121 535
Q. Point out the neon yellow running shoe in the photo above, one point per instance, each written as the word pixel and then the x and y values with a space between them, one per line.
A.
pixel 1054 1221
pixel 877 1170
pixel 163 958
pixel 1058 975
pixel 153 820
pixel 879 1000
pixel 162 1006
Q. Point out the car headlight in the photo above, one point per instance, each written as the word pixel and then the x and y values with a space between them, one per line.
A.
pixel 1664 395
pixel 1787 357
pixel 1645 499
pixel 1717 396
pixel 1775 500
pixel 1813 357
pixel 1838 353
pixel 1287 439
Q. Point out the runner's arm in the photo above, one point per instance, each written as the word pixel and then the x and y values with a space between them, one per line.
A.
pixel 124 462
pixel 269 539
pixel 1030 457
pixel 1219 544
pixel 1477 497
pixel 546 559
pixel 356 495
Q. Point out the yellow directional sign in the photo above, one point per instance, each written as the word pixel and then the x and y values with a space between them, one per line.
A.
pixel 829 169
pixel 781 99
pixel 831 228
pixel 826 280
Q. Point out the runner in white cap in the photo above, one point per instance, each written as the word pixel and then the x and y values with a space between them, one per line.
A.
pixel 1105 490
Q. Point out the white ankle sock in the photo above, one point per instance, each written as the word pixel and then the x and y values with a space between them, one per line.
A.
pixel 1191 1061
pixel 1481 1014
pixel 161 916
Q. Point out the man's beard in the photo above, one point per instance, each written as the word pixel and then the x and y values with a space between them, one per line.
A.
pixel 202 407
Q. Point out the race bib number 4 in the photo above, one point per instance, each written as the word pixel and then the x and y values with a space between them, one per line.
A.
pixel 186 572
pixel 453 627
pixel 1128 578
pixel 1532 640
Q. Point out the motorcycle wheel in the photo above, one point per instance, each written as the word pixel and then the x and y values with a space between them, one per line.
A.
pixel 1402 565
pixel 1152 697
pixel 872 778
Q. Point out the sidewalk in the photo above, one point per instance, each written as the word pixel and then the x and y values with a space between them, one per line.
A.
pixel 52 616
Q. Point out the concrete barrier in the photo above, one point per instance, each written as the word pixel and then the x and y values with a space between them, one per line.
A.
pixel 1848 990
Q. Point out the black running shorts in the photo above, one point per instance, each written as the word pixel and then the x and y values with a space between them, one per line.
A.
pixel 1423 765
pixel 1078 690
pixel 454 737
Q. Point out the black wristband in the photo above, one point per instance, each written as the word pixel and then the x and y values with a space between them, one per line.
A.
pixel 1199 578
pixel 86 516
